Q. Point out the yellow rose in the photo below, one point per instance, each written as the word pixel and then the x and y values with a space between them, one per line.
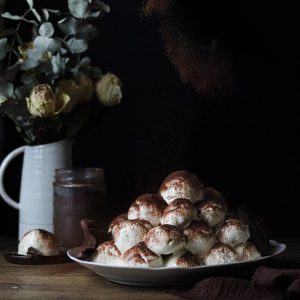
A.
pixel 108 90
pixel 42 101
pixel 87 86
pixel 73 90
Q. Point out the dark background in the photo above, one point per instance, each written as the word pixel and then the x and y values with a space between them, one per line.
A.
pixel 246 144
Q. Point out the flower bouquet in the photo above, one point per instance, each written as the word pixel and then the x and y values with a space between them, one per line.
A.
pixel 47 87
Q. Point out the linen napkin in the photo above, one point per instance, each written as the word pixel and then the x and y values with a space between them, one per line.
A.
pixel 266 284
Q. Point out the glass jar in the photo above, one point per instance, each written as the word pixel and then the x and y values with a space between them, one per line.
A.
pixel 78 194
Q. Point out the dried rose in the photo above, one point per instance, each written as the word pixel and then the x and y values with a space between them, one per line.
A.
pixel 87 86
pixel 42 101
pixel 80 91
pixel 108 90
pixel 73 90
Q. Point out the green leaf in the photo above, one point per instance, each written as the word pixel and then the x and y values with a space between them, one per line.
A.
pixel 30 3
pixel 3 48
pixel 77 46
pixel 78 8
pixel 37 15
pixel 6 88
pixel 12 71
pixel 58 64
pixel 24 91
pixel 19 39
pixel 86 32
pixel 45 14
pixel 55 12
pixel 72 61
pixel 46 29
pixel 99 5
pixel 68 25
pixel 32 22
pixel 8 15
pixel 44 44
pixel 7 32
pixel 29 64
pixel 44 66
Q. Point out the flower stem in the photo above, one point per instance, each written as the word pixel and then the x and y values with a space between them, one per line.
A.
pixel 15 36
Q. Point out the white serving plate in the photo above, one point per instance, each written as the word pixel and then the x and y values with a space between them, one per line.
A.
pixel 171 276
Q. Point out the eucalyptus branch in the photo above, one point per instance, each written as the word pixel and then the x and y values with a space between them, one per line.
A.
pixel 15 37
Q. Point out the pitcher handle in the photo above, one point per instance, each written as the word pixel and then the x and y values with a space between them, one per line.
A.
pixel 3 167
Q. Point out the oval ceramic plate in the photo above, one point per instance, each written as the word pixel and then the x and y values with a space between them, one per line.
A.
pixel 171 276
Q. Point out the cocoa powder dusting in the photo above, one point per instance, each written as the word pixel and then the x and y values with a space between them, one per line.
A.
pixel 205 66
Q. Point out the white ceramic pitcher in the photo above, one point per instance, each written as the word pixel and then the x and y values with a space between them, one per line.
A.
pixel 36 195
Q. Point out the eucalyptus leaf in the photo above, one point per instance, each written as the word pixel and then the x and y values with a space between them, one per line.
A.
pixel 44 66
pixel 27 78
pixel 72 62
pixel 19 39
pixel 12 71
pixel 94 15
pixel 36 53
pixel 85 61
pixel 8 15
pixel 58 64
pixel 29 64
pixel 6 88
pixel 3 48
pixel 86 32
pixel 16 53
pixel 24 91
pixel 94 73
pixel 99 5
pixel 78 8
pixel 32 22
pixel 37 15
pixel 47 44
pixel 46 29
pixel 7 32
pixel 68 25
pixel 56 12
pixel 45 14
pixel 77 46
pixel 30 3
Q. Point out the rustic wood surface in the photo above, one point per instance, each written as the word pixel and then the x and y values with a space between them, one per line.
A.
pixel 71 281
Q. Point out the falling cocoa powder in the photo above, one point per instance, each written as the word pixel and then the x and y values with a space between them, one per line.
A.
pixel 206 66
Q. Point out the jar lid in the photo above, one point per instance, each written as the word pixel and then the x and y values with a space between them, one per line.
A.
pixel 80 175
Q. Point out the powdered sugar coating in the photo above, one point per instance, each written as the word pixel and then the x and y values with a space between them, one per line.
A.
pixel 129 233
pixel 106 253
pixel 140 256
pixel 199 239
pixel 41 240
pixel 165 239
pixel 213 209
pixel 147 207
pixel 182 184
pixel 180 213
pixel 220 254
pixel 246 251
pixel 233 232
pixel 181 259
pixel 117 222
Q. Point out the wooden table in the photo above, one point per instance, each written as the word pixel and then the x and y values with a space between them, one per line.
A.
pixel 71 281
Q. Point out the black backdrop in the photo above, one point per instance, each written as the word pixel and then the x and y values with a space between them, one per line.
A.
pixel 245 144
